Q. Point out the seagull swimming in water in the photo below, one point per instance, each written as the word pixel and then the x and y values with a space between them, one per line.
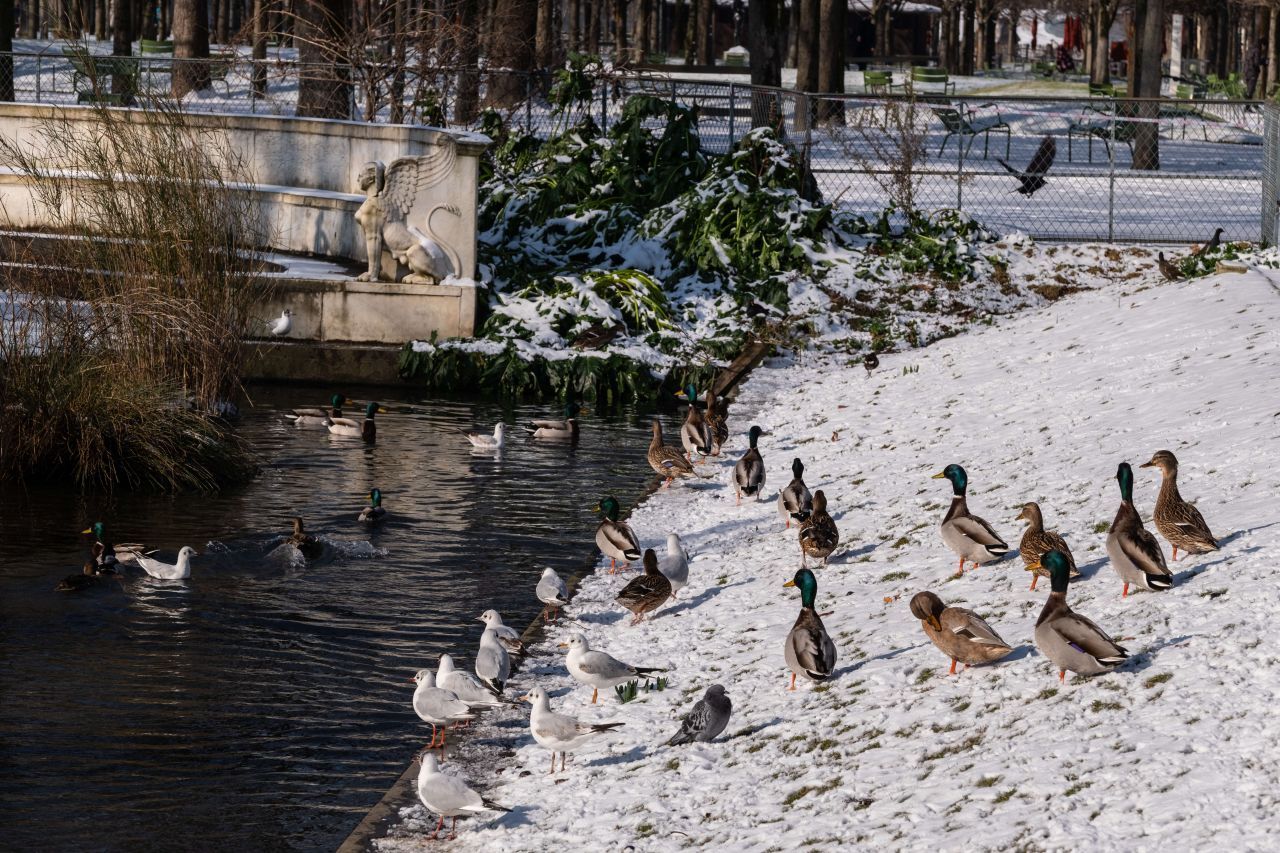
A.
pixel 281 325
pixel 484 442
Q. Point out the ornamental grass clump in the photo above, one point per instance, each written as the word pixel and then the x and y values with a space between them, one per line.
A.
pixel 121 341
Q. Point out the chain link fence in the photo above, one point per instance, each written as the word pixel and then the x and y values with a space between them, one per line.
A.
pixel 1216 162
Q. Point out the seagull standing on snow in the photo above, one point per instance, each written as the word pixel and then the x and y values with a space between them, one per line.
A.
pixel 507 634
pixel 552 592
pixel 675 565
pixel 599 670
pixel 707 719
pixel 559 732
pixel 448 796
pixel 493 664
pixel 466 686
pixel 437 706
pixel 488 442
pixel 281 325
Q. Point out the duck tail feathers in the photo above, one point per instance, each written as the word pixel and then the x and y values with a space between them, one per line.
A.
pixel 999 549
pixel 802 515
pixel 1159 582
pixel 632 554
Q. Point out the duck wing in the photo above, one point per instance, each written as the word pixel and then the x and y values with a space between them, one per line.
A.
pixel 1084 636
pixel 813 648
pixel 970 626
pixel 1142 549
pixel 979 531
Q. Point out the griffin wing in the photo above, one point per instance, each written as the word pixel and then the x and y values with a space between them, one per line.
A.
pixel 408 176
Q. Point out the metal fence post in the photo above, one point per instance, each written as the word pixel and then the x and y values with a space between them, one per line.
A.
pixel 604 104
pixel 808 138
pixel 733 107
pixel 1270 171
pixel 39 75
pixel 528 103
pixel 960 168
pixel 1111 176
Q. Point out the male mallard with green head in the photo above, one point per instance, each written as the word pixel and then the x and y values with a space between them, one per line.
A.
pixel 365 429
pixel 1065 637
pixel 808 650
pixel 375 512
pixel 1036 542
pixel 317 418
pixel 794 501
pixel 1178 521
pixel 966 534
pixel 961 634
pixel 667 461
pixel 818 533
pixel 1135 554
pixel 646 592
pixel 615 538
pixel 565 429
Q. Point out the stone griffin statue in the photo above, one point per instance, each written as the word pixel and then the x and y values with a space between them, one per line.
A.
pixel 396 218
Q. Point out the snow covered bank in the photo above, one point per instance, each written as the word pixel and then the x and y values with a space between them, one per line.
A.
pixel 1176 747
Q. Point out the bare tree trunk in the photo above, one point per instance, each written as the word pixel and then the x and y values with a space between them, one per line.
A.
pixel 967 23
pixel 620 32
pixel 882 21
pixel 190 42
pixel 1149 22
pixel 100 20
pixel 324 79
pixel 30 19
pixel 705 34
pixel 513 40
pixel 641 35
pixel 573 11
pixel 260 48
pixel 1271 51
pixel 592 27
pixel 764 41
pixel 806 45
pixel 223 34
pixel 545 35
pixel 679 28
pixel 831 36
pixel 399 57
pixel 467 104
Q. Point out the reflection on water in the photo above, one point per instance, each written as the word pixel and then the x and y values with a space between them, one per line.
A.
pixel 263 703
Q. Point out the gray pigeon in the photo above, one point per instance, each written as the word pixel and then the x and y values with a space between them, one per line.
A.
pixel 707 719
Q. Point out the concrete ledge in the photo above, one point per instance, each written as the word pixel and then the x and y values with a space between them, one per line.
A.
pixel 328 311
pixel 305 361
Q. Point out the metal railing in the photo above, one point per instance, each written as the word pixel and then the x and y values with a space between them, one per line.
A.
pixel 1218 160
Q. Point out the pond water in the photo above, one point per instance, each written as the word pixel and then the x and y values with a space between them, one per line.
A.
pixel 264 704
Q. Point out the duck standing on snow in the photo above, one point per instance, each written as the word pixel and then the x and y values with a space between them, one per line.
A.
pixel 375 512
pixel 647 592
pixel 318 418
pixel 488 443
pixel 1068 639
pixel 818 533
pixel 159 569
pixel 748 473
pixel 794 501
pixel 695 433
pixel 559 732
pixel 307 545
pixel 708 718
pixel 614 538
pixel 1135 554
pixel 809 651
pixel 667 461
pixel 968 536
pixel 437 706
pixel 675 564
pixel 448 796
pixel 717 421
pixel 365 429
pixel 1178 521
pixel 552 592
pixel 961 634
pixel 565 429
pixel 1036 542
pixel 600 670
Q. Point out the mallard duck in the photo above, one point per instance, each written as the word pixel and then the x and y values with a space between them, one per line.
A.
pixel 365 429
pixel 667 461
pixel 448 796
pixel 375 512
pixel 560 430
pixel 559 732
pixel 1037 541
pixel 1169 270
pixel 1180 523
pixel 675 564
pixel 614 537
pixel 647 592
pixel 968 536
pixel 86 579
pixel 1135 554
pixel 600 670
pixel 488 443
pixel 717 421
pixel 695 433
pixel 317 418
pixel 748 473
pixel 102 551
pixel 808 649
pixel 818 533
pixel 961 634
pixel 794 501
pixel 552 592
pixel 308 545
pixel 1068 639
pixel 161 570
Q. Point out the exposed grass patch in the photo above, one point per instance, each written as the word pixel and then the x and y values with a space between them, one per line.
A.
pixel 1005 796
pixel 988 781
pixel 1159 678
pixel 805 790
pixel 1099 706
pixel 895 576
pixel 924 675
pixel 1101 527
pixel 956 748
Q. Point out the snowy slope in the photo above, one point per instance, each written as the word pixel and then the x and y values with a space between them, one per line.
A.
pixel 1178 747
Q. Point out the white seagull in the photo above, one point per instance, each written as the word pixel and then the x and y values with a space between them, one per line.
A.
pixel 448 796
pixel 465 686
pixel 599 670
pixel 675 565
pixel 552 592
pixel 437 706
pixel 281 325
pixel 156 568
pixel 493 665
pixel 488 442
pixel 559 732
pixel 508 636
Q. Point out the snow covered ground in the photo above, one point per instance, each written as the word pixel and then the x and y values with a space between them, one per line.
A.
pixel 1177 747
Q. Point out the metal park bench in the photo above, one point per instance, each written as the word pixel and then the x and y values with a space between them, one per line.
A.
pixel 970 124
pixel 99 69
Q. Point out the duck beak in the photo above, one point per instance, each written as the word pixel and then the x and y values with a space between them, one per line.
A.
pixel 939 475
pixel 1143 465
pixel 595 508
pixel 789 583
pixel 934 623
pixel 86 532
pixel 382 410
pixel 680 395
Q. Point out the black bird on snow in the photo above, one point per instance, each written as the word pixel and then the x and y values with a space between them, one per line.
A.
pixel 1168 268
pixel 1033 179
pixel 1214 242
pixel 870 361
